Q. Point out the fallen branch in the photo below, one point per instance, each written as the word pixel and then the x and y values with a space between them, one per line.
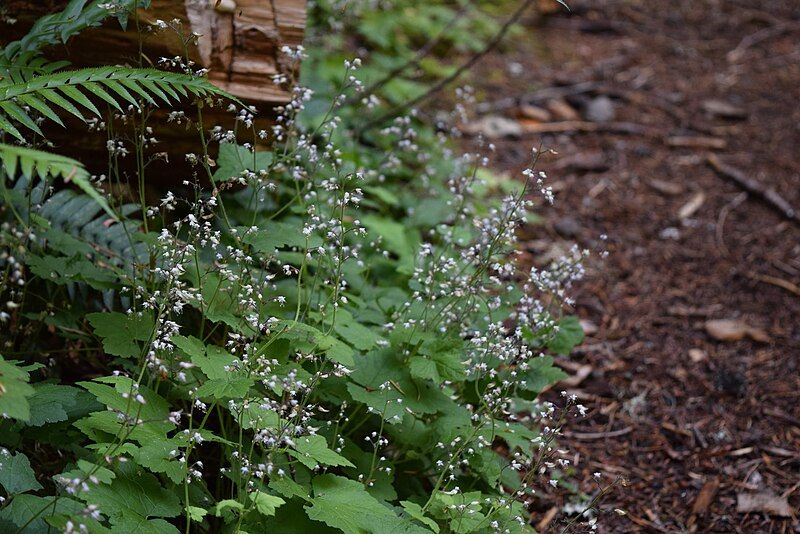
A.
pixel 584 126
pixel 775 281
pixel 536 96
pixel 590 436
pixel 753 39
pixel 683 141
pixel 769 195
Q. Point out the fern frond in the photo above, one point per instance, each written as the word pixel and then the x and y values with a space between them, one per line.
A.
pixel 69 224
pixel 20 60
pixel 76 17
pixel 114 85
pixel 26 66
pixel 30 163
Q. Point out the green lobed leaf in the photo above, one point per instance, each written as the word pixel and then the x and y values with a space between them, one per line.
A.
pixel 226 388
pixel 132 495
pixel 541 373
pixel 313 450
pixel 266 504
pixel 416 512
pixel 122 334
pixel 16 475
pixel 29 512
pixel 233 159
pixel 15 391
pixel 344 504
pixel 52 403
pixel 567 337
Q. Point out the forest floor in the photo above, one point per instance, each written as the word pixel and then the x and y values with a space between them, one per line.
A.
pixel 701 418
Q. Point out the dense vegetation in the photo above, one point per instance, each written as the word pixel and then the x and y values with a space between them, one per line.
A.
pixel 323 328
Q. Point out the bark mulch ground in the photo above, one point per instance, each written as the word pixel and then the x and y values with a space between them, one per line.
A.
pixel 650 95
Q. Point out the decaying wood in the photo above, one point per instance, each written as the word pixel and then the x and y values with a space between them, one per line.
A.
pixel 240 44
pixel 240 40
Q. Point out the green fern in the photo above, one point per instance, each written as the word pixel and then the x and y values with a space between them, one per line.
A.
pixel 25 67
pixel 31 163
pixel 76 17
pixel 79 216
pixel 20 60
pixel 111 84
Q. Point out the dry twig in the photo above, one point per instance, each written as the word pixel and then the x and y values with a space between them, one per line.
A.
pixel 775 281
pixel 769 195
pixel 589 436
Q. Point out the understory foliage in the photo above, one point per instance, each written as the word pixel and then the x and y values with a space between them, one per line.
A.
pixel 323 328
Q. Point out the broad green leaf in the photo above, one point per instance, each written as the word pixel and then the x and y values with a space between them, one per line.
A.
pixel 14 391
pixel 266 504
pixel 219 304
pixel 86 469
pixel 431 211
pixel 385 195
pixel 344 504
pixel 516 435
pixel 279 234
pixel 288 487
pixel 462 511
pixel 132 523
pixel 540 373
pixel 292 519
pixel 381 484
pixel 133 493
pixel 313 450
pixel 355 333
pixel 424 368
pixel 416 512
pixel 567 337
pixel 308 339
pixel 30 510
pixel 446 353
pixel 215 362
pixel 121 397
pixel 59 523
pixel 234 159
pixel 158 456
pixel 254 416
pixel 226 388
pixel 67 270
pixel 382 402
pixel 107 424
pixel 16 475
pixel 196 513
pixel 190 345
pixel 122 334
pixel 488 464
pixel 227 505
pixel 52 403
pixel 397 238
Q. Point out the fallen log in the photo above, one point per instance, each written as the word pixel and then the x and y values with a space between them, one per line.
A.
pixel 240 40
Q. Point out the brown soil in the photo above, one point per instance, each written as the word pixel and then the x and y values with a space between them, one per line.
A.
pixel 670 424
